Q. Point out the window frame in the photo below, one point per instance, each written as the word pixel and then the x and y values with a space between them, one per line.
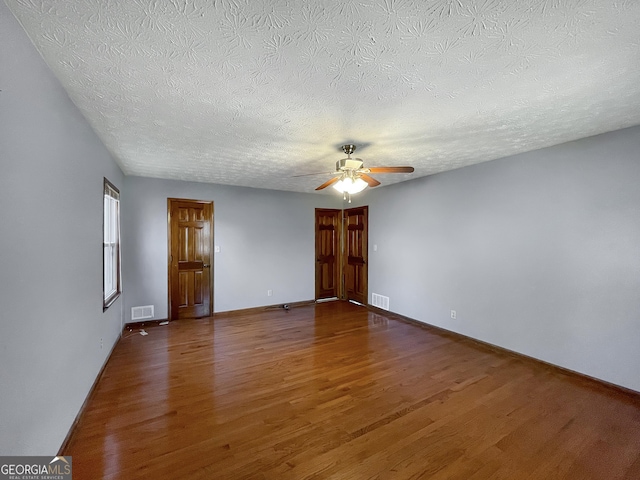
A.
pixel 111 240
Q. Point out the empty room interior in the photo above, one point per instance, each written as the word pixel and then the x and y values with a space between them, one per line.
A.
pixel 472 312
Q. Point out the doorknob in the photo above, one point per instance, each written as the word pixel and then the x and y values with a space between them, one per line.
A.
pixel 205 265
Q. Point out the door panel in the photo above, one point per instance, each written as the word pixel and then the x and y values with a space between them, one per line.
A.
pixel 356 249
pixel 328 223
pixel 190 258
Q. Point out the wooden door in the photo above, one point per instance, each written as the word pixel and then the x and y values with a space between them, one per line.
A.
pixel 328 253
pixel 355 253
pixel 190 258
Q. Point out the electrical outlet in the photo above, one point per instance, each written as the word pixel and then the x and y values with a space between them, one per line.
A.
pixel 101 344
pixel 453 314
pixel 269 293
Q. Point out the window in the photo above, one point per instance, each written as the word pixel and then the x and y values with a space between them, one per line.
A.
pixel 111 246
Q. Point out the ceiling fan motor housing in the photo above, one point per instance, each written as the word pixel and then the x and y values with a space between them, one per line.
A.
pixel 348 164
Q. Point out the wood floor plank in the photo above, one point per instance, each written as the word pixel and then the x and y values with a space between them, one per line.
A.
pixel 336 391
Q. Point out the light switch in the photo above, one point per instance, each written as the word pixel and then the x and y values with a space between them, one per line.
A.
pixel 216 249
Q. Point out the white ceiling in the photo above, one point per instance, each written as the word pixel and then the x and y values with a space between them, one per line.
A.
pixel 251 92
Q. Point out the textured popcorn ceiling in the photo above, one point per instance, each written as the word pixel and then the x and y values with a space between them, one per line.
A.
pixel 251 92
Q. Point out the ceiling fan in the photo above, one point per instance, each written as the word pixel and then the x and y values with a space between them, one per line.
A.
pixel 351 176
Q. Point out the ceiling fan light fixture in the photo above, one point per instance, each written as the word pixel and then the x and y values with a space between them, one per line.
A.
pixel 352 177
pixel 350 185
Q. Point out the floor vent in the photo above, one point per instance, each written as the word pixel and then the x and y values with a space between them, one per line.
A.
pixel 380 301
pixel 142 313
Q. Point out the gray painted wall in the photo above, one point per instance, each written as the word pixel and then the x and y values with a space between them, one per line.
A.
pixel 538 253
pixel 51 320
pixel 266 241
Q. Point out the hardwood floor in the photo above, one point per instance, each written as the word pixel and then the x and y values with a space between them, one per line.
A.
pixel 333 391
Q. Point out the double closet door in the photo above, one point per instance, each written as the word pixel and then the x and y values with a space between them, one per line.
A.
pixel 341 254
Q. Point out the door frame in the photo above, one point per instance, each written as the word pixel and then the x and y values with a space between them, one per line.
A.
pixel 338 253
pixel 365 251
pixel 171 315
pixel 342 257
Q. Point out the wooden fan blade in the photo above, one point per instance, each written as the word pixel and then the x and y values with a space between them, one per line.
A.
pixel 327 183
pixel 370 180
pixel 391 169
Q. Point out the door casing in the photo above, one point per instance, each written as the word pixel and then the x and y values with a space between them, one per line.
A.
pixel 206 262
pixel 351 262
pixel 355 254
pixel 328 225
